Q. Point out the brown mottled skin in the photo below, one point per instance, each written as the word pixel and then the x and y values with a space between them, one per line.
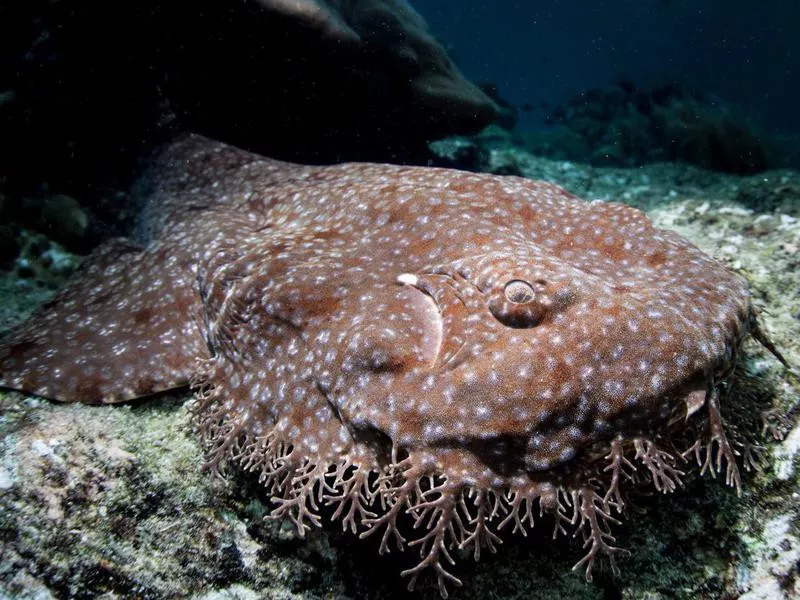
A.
pixel 499 335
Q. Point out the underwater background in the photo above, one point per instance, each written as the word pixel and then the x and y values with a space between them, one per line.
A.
pixel 545 53
pixel 686 110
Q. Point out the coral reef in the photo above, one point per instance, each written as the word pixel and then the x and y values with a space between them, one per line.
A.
pixel 627 126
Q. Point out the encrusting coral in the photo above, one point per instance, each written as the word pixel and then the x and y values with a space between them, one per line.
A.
pixel 465 351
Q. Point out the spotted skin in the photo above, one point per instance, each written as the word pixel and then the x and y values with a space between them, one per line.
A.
pixel 494 333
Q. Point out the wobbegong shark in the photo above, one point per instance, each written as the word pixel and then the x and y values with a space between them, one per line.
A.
pixel 438 355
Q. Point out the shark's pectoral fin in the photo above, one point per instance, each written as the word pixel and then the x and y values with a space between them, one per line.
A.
pixel 126 326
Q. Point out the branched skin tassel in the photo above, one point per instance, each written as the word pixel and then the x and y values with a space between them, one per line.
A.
pixel 439 356
pixel 449 514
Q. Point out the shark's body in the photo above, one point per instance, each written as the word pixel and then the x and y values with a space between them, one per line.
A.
pixel 495 337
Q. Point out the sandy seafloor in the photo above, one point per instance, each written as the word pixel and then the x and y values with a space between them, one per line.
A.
pixel 111 502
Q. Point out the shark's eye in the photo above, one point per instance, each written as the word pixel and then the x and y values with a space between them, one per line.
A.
pixel 522 304
pixel 518 304
pixel 518 291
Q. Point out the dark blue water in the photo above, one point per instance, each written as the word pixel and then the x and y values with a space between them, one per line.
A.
pixel 547 51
